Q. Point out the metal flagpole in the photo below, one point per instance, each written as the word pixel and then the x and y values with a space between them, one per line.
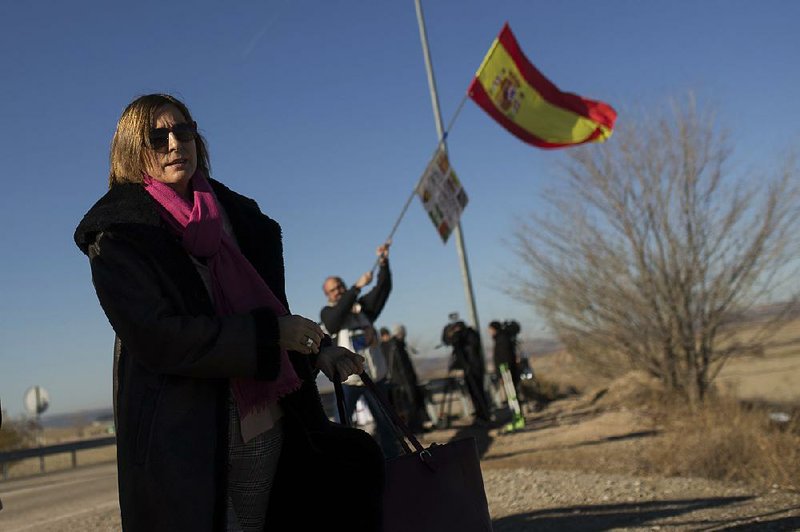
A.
pixel 462 253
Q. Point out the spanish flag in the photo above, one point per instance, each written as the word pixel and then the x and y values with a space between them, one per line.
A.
pixel 522 100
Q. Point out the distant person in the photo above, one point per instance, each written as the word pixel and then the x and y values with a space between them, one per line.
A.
pixel 386 336
pixel 219 421
pixel 505 349
pixel 350 320
pixel 406 395
pixel 466 344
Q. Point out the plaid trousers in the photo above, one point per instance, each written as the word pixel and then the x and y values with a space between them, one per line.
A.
pixel 251 469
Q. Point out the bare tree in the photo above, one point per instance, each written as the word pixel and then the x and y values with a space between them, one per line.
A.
pixel 652 249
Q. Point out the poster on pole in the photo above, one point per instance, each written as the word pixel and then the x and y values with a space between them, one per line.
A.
pixel 442 195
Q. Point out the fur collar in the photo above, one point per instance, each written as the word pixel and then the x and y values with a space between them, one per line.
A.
pixel 129 204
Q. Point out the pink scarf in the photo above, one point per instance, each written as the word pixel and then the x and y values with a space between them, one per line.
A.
pixel 236 286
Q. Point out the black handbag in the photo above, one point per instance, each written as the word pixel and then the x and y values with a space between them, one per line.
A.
pixel 432 489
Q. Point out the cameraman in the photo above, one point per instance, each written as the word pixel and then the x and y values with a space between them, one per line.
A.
pixel 466 344
pixel 505 349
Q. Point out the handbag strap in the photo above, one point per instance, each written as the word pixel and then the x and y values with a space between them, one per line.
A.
pixel 399 427
pixel 339 393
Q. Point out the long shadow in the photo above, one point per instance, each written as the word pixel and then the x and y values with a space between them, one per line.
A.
pixel 621 437
pixel 481 434
pixel 483 439
pixel 782 523
pixel 760 521
pixel 607 516
pixel 558 420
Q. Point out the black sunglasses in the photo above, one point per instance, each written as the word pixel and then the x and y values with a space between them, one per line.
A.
pixel 159 136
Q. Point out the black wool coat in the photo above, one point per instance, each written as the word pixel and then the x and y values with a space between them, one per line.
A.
pixel 174 358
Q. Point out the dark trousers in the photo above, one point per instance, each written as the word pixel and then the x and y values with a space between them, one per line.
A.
pixel 474 380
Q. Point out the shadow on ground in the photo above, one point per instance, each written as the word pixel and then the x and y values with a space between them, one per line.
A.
pixel 622 437
pixel 480 433
pixel 484 440
pixel 607 516
pixel 780 524
pixel 560 419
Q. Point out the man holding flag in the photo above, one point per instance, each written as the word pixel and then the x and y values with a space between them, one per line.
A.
pixel 349 320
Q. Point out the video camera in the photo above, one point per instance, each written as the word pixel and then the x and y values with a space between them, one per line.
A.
pixel 452 332
pixel 508 327
pixel 511 327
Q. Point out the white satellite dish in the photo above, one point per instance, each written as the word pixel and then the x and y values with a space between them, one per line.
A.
pixel 36 400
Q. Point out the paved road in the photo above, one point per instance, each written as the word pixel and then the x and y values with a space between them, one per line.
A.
pixel 75 499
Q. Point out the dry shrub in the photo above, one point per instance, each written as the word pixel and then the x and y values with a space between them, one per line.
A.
pixel 564 370
pixel 9 439
pixel 725 440
pixel 16 436
pixel 631 390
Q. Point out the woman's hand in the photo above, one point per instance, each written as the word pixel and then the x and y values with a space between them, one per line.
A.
pixel 339 362
pixel 299 334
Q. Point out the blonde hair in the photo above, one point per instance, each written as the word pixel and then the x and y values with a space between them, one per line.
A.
pixel 130 144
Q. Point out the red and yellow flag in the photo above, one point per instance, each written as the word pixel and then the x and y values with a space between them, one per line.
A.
pixel 527 104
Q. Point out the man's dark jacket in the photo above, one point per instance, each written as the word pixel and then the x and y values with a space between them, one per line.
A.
pixel 372 303
pixel 173 360
pixel 504 350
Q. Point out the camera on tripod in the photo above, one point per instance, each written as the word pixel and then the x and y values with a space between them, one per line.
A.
pixel 453 333
pixel 510 327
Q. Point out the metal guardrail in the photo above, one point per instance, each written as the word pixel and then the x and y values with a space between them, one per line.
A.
pixel 7 457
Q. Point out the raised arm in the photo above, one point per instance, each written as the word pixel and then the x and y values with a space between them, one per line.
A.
pixel 372 303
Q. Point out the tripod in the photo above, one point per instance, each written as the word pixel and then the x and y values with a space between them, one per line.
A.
pixel 452 389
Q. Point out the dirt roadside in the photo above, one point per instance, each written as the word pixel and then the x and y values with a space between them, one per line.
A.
pixel 566 471
pixel 575 467
pixel 570 469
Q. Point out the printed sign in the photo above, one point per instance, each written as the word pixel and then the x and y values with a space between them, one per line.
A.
pixel 442 195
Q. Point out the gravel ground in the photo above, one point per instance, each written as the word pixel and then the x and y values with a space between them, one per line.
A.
pixel 92 520
pixel 569 470
pixel 524 499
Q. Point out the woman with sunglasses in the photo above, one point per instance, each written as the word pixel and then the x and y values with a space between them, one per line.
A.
pixel 219 422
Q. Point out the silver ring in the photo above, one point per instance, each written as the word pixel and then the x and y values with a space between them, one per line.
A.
pixel 309 342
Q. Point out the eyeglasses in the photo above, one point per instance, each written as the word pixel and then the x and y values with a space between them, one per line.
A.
pixel 159 136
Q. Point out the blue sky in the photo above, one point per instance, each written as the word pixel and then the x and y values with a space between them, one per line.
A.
pixel 320 111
